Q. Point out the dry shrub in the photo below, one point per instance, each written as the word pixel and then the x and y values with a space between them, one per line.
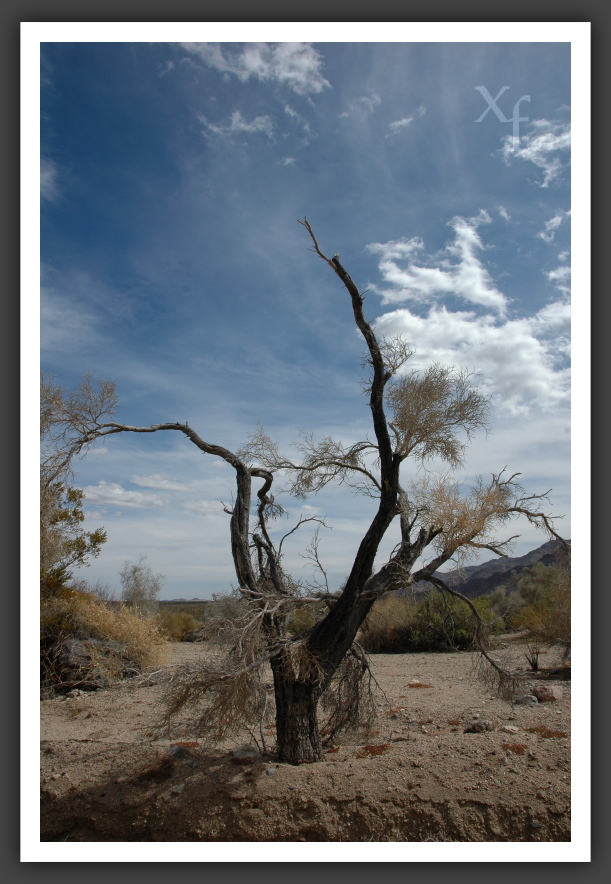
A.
pixel 176 625
pixel 216 698
pixel 388 624
pixel 350 699
pixel 83 641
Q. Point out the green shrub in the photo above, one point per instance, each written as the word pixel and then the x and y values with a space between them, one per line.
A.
pixel 435 622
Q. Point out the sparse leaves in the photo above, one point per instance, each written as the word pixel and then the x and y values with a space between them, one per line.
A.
pixel 432 410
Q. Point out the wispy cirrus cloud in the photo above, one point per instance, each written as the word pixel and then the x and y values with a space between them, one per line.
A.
pixel 542 147
pixel 364 104
pixel 456 270
pixel 237 125
pixel 156 480
pixel 400 125
pixel 552 226
pixel 48 179
pixel 294 65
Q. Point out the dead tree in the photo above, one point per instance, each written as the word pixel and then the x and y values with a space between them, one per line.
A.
pixel 417 415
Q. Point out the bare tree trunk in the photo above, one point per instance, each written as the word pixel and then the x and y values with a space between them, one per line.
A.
pixel 297 732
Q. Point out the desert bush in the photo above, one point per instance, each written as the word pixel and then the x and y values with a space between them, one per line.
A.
pixel 304 617
pixel 505 604
pixel 223 614
pixel 84 641
pixel 389 624
pixel 434 622
pixel 141 586
pixel 176 625
pixel 546 616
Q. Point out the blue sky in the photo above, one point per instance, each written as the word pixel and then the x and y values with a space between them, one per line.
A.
pixel 172 178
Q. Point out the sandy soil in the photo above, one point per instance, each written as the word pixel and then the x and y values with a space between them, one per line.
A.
pixel 421 779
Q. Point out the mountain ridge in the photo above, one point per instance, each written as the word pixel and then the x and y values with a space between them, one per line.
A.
pixel 475 580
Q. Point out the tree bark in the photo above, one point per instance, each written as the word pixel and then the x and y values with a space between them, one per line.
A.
pixel 297 732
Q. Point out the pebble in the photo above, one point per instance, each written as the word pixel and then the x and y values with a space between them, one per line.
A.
pixel 271 771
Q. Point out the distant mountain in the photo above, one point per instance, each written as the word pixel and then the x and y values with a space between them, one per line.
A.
pixel 476 580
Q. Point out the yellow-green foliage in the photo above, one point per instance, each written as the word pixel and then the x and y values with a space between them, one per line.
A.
pixel 176 625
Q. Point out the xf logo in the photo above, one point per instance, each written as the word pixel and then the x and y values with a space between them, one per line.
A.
pixel 516 119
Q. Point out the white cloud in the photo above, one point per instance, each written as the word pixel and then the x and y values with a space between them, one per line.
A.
pixel 521 361
pixel 205 507
pixel 398 125
pixel 560 277
pixel 458 269
pixel 156 480
pixel 362 105
pixel 504 213
pixel 48 179
pixel 552 226
pixel 287 161
pixel 541 147
pixel 295 65
pixel 237 125
pixel 113 494
pixel 65 327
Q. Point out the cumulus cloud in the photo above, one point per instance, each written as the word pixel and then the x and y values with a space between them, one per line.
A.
pixel 48 179
pixel 156 480
pixel 237 125
pixel 542 147
pixel 552 226
pixel 295 65
pixel 113 494
pixel 456 270
pixel 522 362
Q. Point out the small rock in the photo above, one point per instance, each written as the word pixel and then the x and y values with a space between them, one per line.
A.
pixel 271 771
pixel 479 726
pixel 177 789
pixel 528 700
pixel 547 693
pixel 178 751
pixel 245 755
pixel 510 729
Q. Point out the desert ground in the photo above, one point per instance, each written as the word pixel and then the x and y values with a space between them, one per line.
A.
pixel 445 761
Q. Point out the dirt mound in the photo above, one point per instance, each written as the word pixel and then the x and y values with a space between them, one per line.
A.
pixel 418 775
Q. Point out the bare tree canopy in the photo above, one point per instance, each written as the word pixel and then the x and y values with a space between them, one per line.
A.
pixel 417 415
